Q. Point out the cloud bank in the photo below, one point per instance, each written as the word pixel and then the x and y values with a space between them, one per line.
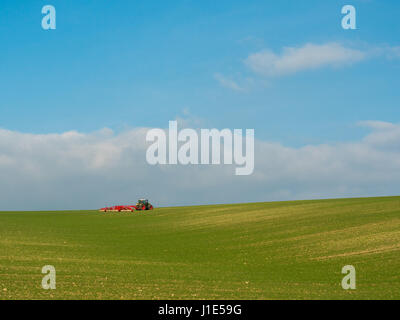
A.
pixel 83 171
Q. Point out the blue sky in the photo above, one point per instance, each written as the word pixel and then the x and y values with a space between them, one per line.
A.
pixel 122 64
pixel 324 101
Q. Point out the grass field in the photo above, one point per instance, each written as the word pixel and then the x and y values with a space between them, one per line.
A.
pixel 278 250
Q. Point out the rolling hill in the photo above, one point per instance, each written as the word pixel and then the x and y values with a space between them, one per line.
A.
pixel 276 250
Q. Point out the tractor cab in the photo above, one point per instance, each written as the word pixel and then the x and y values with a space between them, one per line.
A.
pixel 143 204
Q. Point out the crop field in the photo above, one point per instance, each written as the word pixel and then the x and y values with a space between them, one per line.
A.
pixel 275 250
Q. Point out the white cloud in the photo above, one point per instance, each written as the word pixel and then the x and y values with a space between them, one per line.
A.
pixel 377 124
pixel 78 171
pixel 388 52
pixel 189 120
pixel 309 56
pixel 394 52
pixel 227 82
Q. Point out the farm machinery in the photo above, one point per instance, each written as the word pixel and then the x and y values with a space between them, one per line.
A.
pixel 141 205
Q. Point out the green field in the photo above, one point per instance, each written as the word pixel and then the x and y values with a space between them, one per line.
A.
pixel 276 250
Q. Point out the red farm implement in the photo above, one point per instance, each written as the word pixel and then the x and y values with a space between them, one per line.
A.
pixel 141 205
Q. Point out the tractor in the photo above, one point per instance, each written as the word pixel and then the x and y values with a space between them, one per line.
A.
pixel 143 204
